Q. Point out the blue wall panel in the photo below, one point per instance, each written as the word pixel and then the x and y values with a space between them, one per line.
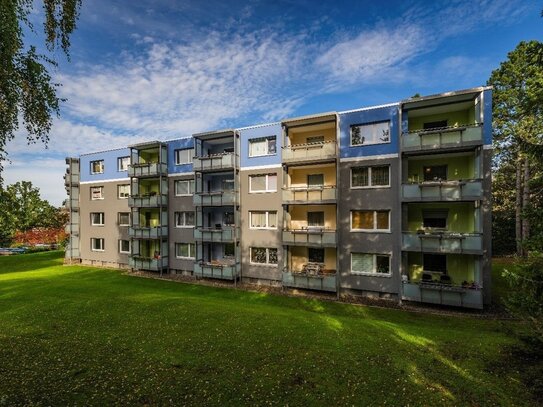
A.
pixel 487 125
pixel 110 165
pixel 256 132
pixel 173 145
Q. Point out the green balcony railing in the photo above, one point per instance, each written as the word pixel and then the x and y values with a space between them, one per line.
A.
pixel 468 243
pixel 148 200
pixel 216 198
pixel 448 137
pixel 443 190
pixel 310 236
pixel 141 232
pixel 147 169
pixel 224 234
pixel 215 162
pixel 309 194
pixel 310 152
pixel 443 294
pixel 215 270
pixel 320 282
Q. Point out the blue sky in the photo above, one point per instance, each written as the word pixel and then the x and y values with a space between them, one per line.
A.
pixel 159 69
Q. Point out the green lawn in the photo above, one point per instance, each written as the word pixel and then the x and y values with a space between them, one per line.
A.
pixel 87 336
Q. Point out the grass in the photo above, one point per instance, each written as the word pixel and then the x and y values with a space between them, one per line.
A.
pixel 87 336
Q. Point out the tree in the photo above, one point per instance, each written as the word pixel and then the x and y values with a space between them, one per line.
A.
pixel 27 92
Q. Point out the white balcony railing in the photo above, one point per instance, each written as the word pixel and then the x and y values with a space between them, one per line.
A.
pixel 310 152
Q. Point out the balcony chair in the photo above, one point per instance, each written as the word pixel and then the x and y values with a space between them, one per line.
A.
pixel 445 279
pixel 427 278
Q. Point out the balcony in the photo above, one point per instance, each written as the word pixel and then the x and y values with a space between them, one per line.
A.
pixel 215 269
pixel 465 190
pixel 140 232
pixel 215 162
pixel 443 242
pixel 223 234
pixel 148 200
pixel 310 195
pixel 443 294
pixel 310 236
pixel 148 263
pixel 442 138
pixel 152 169
pixel 310 152
pixel 320 282
pixel 216 198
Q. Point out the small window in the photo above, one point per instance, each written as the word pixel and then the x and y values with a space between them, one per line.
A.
pixel 315 139
pixel 264 255
pixel 263 183
pixel 123 163
pixel 435 173
pixel 375 133
pixel 97 193
pixel 97 245
pixel 97 218
pixel 315 180
pixel 123 191
pixel 435 125
pixel 229 250
pixel 365 177
pixel 184 156
pixel 263 146
pixel 315 255
pixel 367 263
pixel 184 219
pixel 97 167
pixel 435 263
pixel 124 218
pixel 378 221
pixel 263 219
pixel 184 187
pixel 435 218
pixel 185 250
pixel 124 246
pixel 315 219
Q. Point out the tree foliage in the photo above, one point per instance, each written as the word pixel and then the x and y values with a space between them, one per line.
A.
pixel 27 92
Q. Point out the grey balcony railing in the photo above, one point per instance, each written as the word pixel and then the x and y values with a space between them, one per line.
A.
pixel 310 236
pixel 224 234
pixel 309 194
pixel 446 137
pixel 309 152
pixel 148 263
pixel 216 270
pixel 148 200
pixel 443 294
pixel 321 282
pixel 141 232
pixel 447 242
pixel 216 198
pixel 215 162
pixel 147 169
pixel 443 190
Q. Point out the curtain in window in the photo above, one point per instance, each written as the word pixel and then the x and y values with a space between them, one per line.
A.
pixel 182 187
pixel 272 219
pixel 258 255
pixel 315 219
pixel 258 219
pixel 380 175
pixel 272 182
pixel 362 263
pixel 359 177
pixel 272 145
pixel 258 147
pixel 362 219
pixel 382 220
pixel 258 183
pixel 272 256
pixel 315 180
pixel 182 249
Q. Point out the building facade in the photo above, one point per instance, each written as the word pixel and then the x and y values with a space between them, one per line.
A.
pixel 390 201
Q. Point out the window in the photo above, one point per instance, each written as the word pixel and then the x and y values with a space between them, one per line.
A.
pixel 123 163
pixel 184 187
pixel 434 262
pixel 97 245
pixel 262 146
pixel 184 219
pixel 263 255
pixel 97 167
pixel 227 184
pixel 435 125
pixel 435 173
pixel 124 246
pixel 315 255
pixel 97 193
pixel 228 219
pixel 263 219
pixel 315 219
pixel 315 139
pixel 97 218
pixel 315 180
pixel 375 133
pixel 370 220
pixel 123 191
pixel 184 156
pixel 367 177
pixel 435 218
pixel 185 250
pixel 263 183
pixel 229 250
pixel 124 219
pixel 366 263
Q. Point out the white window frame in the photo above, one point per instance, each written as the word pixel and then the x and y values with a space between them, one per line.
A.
pixel 370 169
pixel 121 246
pixel 374 230
pixel 184 225
pixel 262 191
pixel 119 219
pixel 374 261
pixel 101 188
pixel 120 161
pixel 101 163
pixel 192 185
pixel 102 218
pixel 369 125
pixel 267 263
pixel 262 139
pixel 119 191
pixel 97 239
pixel 267 220
pixel 178 155
pixel 192 252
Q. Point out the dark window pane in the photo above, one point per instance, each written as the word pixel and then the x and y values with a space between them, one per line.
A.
pixel 359 177
pixel 435 125
pixel 435 173
pixel 315 255
pixel 435 262
pixel 380 175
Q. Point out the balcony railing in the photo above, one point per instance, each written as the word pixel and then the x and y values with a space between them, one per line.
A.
pixel 148 263
pixel 215 162
pixel 223 234
pixel 446 242
pixel 310 152
pixel 444 294
pixel 443 190
pixel 141 232
pixel 216 198
pixel 215 269
pixel 147 169
pixel 447 137
pixel 309 194
pixel 320 282
pixel 310 236
pixel 148 200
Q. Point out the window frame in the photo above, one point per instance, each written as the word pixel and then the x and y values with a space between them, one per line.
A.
pixel 373 273
pixel 374 230
pixel 98 239
pixel 101 163
pixel 184 225
pixel 120 161
pixel 352 126
pixel 267 139
pixel 370 183
pixel 119 191
pixel 262 191
pixel 102 218
pixel 191 188
pixel 121 246
pixel 119 219
pixel 176 155
pixel 267 263
pixel 191 250
pixel 101 193
pixel 267 220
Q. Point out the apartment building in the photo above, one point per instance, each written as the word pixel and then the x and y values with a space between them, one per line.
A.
pixel 389 201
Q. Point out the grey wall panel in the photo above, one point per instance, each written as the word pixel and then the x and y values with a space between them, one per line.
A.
pixel 179 235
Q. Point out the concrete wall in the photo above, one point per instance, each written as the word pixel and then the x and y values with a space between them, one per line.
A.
pixel 111 171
